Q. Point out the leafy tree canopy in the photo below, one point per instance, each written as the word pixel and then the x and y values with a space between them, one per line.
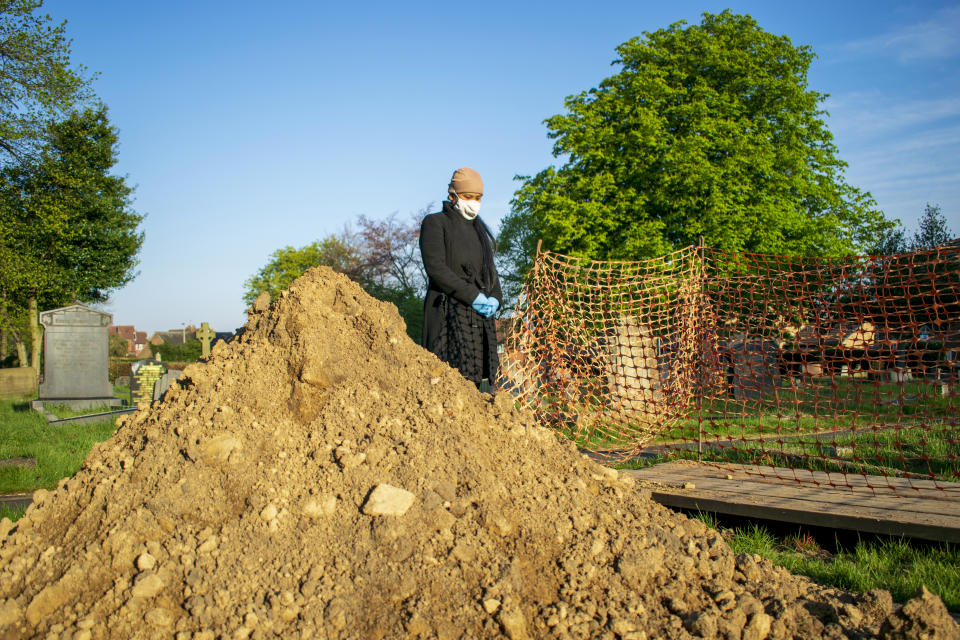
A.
pixel 68 230
pixel 189 351
pixel 932 232
pixel 289 263
pixel 37 83
pixel 382 256
pixel 707 130
pixel 118 346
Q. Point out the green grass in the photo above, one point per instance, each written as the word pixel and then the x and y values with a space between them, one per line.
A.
pixel 63 411
pixel 12 514
pixel 707 518
pixel 59 450
pixel 894 565
pixel 894 428
pixel 929 452
pixel 122 392
pixel 815 405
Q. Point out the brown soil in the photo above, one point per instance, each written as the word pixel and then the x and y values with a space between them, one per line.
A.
pixel 238 508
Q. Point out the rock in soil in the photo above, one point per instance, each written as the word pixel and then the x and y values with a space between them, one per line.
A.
pixel 240 507
pixel 924 617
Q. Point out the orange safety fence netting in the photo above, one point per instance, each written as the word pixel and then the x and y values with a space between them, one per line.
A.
pixel 836 371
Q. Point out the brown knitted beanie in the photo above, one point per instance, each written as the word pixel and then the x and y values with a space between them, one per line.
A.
pixel 465 180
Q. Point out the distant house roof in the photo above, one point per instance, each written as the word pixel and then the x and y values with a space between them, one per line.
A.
pixel 125 331
pixel 173 338
pixel 848 335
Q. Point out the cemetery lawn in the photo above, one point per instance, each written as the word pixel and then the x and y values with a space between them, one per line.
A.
pixel 11 513
pixel 896 565
pixel 62 411
pixel 59 450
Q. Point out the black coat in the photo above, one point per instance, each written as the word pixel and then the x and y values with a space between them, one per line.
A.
pixel 453 258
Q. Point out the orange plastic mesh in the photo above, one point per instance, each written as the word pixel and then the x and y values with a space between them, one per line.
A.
pixel 836 371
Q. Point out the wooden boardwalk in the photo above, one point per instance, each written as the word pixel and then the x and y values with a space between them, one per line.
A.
pixel 913 508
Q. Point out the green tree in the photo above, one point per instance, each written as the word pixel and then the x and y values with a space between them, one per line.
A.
pixel 891 242
pixel 289 263
pixel 37 83
pixel 189 351
pixel 381 255
pixel 933 230
pixel 706 130
pixel 67 229
pixel 118 345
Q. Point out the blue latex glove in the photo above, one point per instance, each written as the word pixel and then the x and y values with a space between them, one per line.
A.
pixel 481 303
pixel 494 305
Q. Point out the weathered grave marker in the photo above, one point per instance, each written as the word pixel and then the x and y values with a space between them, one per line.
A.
pixel 144 381
pixel 632 371
pixel 205 335
pixel 754 366
pixel 75 355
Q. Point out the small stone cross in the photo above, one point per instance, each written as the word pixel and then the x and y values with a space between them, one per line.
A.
pixel 205 335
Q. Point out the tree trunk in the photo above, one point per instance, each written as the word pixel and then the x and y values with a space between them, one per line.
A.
pixel 5 324
pixel 22 354
pixel 36 334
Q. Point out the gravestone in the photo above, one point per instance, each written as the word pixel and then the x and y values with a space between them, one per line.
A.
pixel 754 368
pixel 205 335
pixel 143 383
pixel 633 375
pixel 164 383
pixel 75 357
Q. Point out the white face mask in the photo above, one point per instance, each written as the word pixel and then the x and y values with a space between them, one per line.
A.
pixel 468 208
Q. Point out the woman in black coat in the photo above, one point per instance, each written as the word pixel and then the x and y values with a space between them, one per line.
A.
pixel 463 290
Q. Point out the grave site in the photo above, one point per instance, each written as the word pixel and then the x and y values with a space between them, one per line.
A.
pixel 322 476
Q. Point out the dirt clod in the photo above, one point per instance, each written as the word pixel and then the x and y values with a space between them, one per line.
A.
pixel 923 617
pixel 251 487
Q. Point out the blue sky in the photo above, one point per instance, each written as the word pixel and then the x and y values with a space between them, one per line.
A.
pixel 247 127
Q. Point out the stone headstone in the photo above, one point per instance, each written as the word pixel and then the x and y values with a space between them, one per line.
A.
pixel 755 369
pixel 632 371
pixel 205 335
pixel 143 384
pixel 164 383
pixel 75 355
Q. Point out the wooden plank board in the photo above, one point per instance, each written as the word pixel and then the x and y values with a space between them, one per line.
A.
pixel 850 481
pixel 787 501
pixel 16 500
pixel 850 494
pixel 773 484
pixel 708 476
pixel 816 495
pixel 854 479
pixel 751 488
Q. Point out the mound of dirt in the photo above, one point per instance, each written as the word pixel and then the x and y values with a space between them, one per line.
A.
pixel 324 477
